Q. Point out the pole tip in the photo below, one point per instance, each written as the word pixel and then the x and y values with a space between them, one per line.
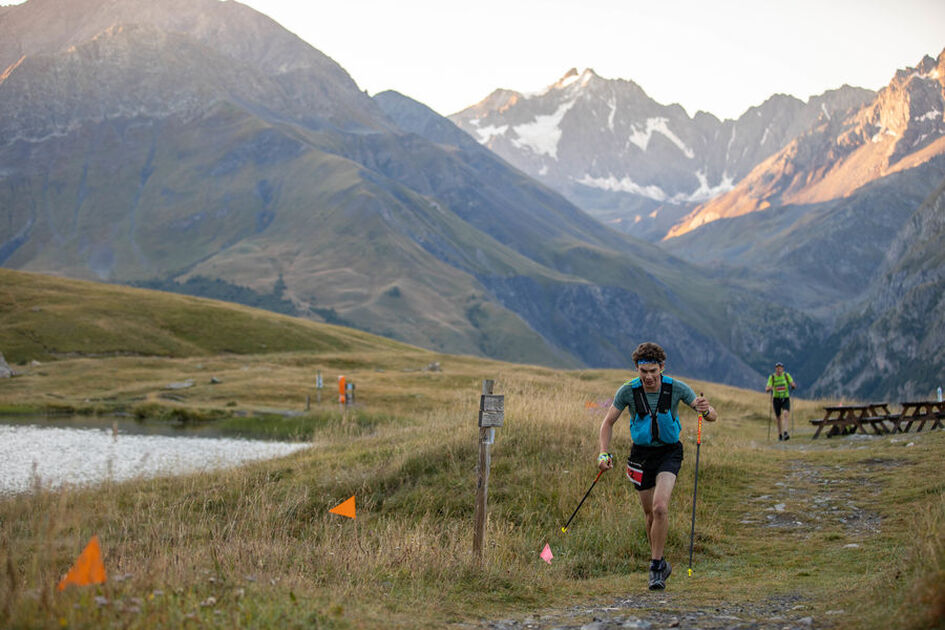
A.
pixel 564 529
pixel 690 572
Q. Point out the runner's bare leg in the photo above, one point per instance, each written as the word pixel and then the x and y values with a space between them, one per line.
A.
pixel 655 502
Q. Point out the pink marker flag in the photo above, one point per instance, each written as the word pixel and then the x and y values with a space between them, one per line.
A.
pixel 546 554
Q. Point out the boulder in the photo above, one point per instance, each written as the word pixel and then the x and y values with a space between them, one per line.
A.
pixel 182 385
pixel 5 370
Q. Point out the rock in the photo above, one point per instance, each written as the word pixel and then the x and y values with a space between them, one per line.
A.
pixel 215 381
pixel 182 385
pixel 35 363
pixel 5 370
pixel 433 367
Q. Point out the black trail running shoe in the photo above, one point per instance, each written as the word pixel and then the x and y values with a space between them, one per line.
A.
pixel 659 576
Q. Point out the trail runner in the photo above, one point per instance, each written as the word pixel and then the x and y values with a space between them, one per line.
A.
pixel 779 383
pixel 657 454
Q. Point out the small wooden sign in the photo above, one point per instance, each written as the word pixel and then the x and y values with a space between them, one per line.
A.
pixel 491 414
pixel 491 410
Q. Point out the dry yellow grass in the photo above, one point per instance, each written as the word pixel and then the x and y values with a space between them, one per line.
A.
pixel 256 546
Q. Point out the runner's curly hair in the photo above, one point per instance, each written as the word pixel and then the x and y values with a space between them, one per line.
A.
pixel 649 351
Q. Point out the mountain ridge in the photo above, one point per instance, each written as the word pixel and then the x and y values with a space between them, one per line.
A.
pixel 436 242
pixel 628 160
pixel 291 185
pixel 838 156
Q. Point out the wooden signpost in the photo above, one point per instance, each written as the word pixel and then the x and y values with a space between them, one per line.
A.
pixel 491 415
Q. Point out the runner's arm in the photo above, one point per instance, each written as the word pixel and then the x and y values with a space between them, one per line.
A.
pixel 606 433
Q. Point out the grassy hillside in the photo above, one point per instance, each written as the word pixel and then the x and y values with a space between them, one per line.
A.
pixel 44 317
pixel 846 531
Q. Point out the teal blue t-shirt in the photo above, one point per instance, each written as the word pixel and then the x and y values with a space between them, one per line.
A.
pixel 624 398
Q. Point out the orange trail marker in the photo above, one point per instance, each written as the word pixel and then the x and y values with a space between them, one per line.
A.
pixel 88 567
pixel 344 509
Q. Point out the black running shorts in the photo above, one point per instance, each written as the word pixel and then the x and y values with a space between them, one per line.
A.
pixel 645 462
pixel 781 403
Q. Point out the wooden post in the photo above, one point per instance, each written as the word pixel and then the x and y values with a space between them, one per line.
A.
pixel 491 415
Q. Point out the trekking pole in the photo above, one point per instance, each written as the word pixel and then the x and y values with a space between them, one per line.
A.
pixel 565 528
pixel 792 416
pixel 695 488
pixel 770 412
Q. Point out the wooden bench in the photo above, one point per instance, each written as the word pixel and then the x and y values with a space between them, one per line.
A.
pixel 842 420
pixel 920 412
pixel 848 419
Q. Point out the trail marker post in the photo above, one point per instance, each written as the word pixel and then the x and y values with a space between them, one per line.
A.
pixel 491 415
pixel 318 386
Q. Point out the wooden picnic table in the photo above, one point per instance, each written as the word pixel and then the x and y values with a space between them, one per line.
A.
pixel 919 412
pixel 847 419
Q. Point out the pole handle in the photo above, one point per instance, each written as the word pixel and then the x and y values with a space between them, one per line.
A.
pixel 699 429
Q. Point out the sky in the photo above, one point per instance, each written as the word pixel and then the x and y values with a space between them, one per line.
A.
pixel 720 56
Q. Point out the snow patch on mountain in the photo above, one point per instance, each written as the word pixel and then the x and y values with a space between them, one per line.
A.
pixel 488 133
pixel 929 115
pixel 542 135
pixel 624 184
pixel 705 192
pixel 640 135
pixel 885 131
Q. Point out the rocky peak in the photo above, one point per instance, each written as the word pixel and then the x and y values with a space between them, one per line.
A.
pixel 280 68
pixel 608 146
pixel 902 127
pixel 572 79
pixel 567 75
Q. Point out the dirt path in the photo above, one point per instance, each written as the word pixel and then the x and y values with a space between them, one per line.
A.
pixel 648 611
pixel 810 498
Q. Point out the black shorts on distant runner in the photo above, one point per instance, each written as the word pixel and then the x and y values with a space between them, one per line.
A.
pixel 781 403
pixel 645 462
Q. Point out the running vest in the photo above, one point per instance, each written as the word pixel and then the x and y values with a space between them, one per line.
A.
pixel 649 428
pixel 779 385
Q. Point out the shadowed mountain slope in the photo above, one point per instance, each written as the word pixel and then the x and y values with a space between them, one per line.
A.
pixel 199 146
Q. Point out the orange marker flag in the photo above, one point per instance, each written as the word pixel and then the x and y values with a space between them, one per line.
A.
pixel 344 509
pixel 88 567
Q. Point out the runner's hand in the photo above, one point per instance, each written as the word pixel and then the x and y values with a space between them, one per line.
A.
pixel 701 404
pixel 605 461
